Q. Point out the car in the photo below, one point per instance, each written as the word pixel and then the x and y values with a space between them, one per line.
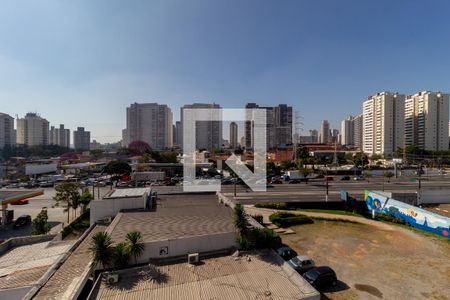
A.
pixel 301 263
pixel 277 181
pixel 329 178
pixel 22 221
pixel 286 252
pixel 345 178
pixel 321 277
pixel 47 184
pixel 294 181
pixel 359 178
pixel 20 202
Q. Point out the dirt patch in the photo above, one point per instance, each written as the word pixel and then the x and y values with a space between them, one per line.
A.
pixel 376 263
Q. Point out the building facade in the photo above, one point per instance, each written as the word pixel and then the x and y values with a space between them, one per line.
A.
pixel 208 134
pixel 233 135
pixel 150 123
pixel 358 131
pixel 32 130
pixel 347 132
pixel 81 139
pixel 7 132
pixel 59 136
pixel 325 134
pixel 383 123
pixel 426 120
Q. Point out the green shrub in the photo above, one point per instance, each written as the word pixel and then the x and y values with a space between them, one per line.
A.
pixel 80 224
pixel 285 219
pixel 392 219
pixel 259 238
pixel 272 205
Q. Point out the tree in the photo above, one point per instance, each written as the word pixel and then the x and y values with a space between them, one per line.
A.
pixel 135 244
pixel 84 200
pixel 121 255
pixel 117 169
pixel 240 220
pixel 67 192
pixel 101 249
pixel 305 172
pixel 40 224
pixel 360 160
pixel 388 175
pixel 287 164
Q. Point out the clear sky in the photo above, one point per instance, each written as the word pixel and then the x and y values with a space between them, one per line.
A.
pixel 83 62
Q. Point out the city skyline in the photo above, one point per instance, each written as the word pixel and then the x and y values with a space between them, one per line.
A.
pixel 80 64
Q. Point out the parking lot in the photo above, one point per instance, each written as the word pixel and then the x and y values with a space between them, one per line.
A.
pixel 376 262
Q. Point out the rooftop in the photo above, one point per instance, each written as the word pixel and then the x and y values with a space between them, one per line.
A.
pixel 260 275
pixel 125 193
pixel 25 265
pixel 176 216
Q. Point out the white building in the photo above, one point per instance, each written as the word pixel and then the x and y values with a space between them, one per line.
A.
pixel 150 123
pixel 383 123
pixel 208 134
pixel 426 120
pixel 7 133
pixel 358 131
pixel 59 136
pixel 32 130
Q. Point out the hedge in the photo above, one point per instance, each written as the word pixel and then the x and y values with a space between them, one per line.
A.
pixel 80 224
pixel 285 219
pixel 272 205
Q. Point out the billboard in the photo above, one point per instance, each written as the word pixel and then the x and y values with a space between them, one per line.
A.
pixel 34 169
pixel 416 217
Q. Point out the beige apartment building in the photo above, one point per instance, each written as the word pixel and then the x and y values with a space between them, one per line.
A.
pixel 383 123
pixel 32 130
pixel 426 120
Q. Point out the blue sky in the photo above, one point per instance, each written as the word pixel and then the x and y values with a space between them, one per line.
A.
pixel 83 62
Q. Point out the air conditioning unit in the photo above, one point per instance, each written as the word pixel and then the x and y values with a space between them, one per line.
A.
pixel 193 258
pixel 112 278
pixel 107 220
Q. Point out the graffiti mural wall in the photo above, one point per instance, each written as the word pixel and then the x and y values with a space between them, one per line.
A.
pixel 416 217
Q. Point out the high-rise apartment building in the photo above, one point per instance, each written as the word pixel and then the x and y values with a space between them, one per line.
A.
pixel 358 131
pixel 347 131
pixel 426 120
pixel 32 130
pixel 325 134
pixel 7 132
pixel 81 139
pixel 208 134
pixel 383 123
pixel 150 123
pixel 278 125
pixel 59 136
pixel 178 134
pixel 233 135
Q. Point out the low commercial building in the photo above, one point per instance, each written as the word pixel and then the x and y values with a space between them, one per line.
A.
pixel 181 224
pixel 256 275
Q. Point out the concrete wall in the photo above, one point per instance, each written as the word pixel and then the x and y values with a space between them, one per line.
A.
pixel 26 240
pixel 184 246
pixel 99 209
pixel 435 196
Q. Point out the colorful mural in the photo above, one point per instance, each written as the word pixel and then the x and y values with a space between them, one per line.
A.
pixel 416 217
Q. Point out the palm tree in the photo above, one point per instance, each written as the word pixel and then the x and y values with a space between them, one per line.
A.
pixel 121 255
pixel 135 244
pixel 240 219
pixel 101 249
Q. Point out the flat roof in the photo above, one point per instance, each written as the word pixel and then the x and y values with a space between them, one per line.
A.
pixel 127 193
pixel 259 275
pixel 10 196
pixel 176 216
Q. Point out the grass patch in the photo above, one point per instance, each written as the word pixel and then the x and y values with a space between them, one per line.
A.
pixel 334 220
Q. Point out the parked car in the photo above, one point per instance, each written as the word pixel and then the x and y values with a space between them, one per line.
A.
pixel 294 181
pixel 277 181
pixel 345 178
pixel 301 263
pixel 321 277
pixel 20 202
pixel 47 184
pixel 359 178
pixel 23 220
pixel 286 252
